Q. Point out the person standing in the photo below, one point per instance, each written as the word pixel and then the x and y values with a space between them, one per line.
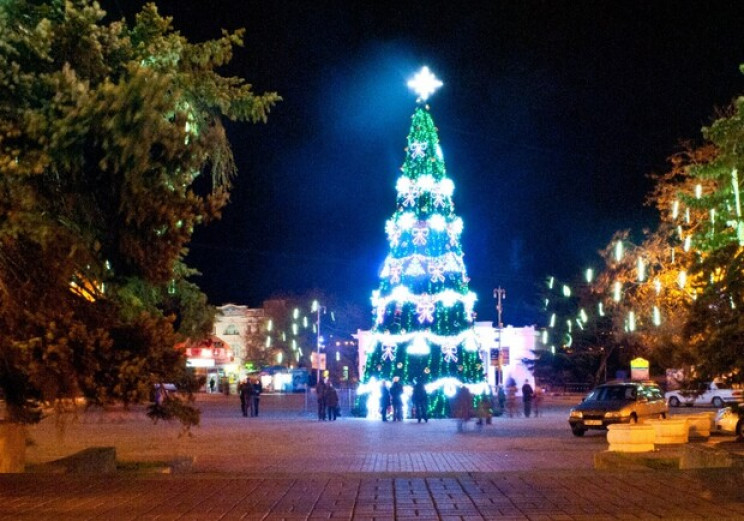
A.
pixel 462 406
pixel 212 383
pixel 257 390
pixel 245 391
pixel 501 399
pixel 396 397
pixel 527 393
pixel 320 388
pixel 331 401
pixel 511 400
pixel 384 400
pixel 421 401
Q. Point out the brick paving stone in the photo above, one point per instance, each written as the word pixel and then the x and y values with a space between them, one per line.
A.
pixel 262 478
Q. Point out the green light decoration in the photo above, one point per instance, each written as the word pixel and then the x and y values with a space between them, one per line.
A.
pixel 423 308
pixel 737 201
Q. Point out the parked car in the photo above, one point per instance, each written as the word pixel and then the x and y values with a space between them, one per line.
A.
pixel 629 402
pixel 728 420
pixel 714 394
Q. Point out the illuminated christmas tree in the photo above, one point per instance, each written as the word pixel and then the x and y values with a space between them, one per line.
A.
pixel 423 308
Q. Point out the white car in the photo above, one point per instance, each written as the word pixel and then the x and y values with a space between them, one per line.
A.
pixel 728 421
pixel 714 394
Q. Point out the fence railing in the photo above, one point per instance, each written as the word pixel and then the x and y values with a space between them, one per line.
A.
pixel 574 387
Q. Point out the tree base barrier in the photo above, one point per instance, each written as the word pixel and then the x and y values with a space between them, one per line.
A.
pixel 12 448
pixel 630 437
pixel 670 431
pixel 700 424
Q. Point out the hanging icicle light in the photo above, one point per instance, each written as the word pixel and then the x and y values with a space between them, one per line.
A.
pixel 687 243
pixel 616 291
pixel 641 270
pixel 566 291
pixel 657 316
pixel 682 279
pixel 631 321
pixel 657 286
pixel 552 320
pixel 600 309
pixel 698 191
pixel 589 275
pixel 551 281
pixel 675 209
pixel 618 251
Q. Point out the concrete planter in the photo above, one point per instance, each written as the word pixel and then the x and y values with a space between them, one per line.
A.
pixel 670 431
pixel 12 448
pixel 630 438
pixel 699 424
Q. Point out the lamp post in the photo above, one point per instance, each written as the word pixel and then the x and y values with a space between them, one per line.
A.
pixel 499 294
pixel 317 308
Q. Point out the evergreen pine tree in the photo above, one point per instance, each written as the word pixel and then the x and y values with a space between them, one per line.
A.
pixel 423 308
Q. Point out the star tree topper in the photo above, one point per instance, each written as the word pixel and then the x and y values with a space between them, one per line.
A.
pixel 424 83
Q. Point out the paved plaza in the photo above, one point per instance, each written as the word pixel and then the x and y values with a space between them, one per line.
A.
pixel 287 465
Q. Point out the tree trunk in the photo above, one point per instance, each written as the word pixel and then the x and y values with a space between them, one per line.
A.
pixel 12 447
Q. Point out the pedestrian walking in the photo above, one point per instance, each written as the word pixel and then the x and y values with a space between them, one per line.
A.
pixel 256 398
pixel 396 398
pixel 245 391
pixel 462 407
pixel 331 401
pixel 212 384
pixel 420 401
pixel 501 399
pixel 384 400
pixel 320 388
pixel 511 400
pixel 527 393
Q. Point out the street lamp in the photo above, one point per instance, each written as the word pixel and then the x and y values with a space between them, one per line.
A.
pixel 499 294
pixel 317 308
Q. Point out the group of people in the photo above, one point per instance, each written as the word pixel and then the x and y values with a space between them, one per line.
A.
pixel 531 399
pixel 392 400
pixel 250 396
pixel 327 395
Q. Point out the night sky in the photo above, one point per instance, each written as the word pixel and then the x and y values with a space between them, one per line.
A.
pixel 551 117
